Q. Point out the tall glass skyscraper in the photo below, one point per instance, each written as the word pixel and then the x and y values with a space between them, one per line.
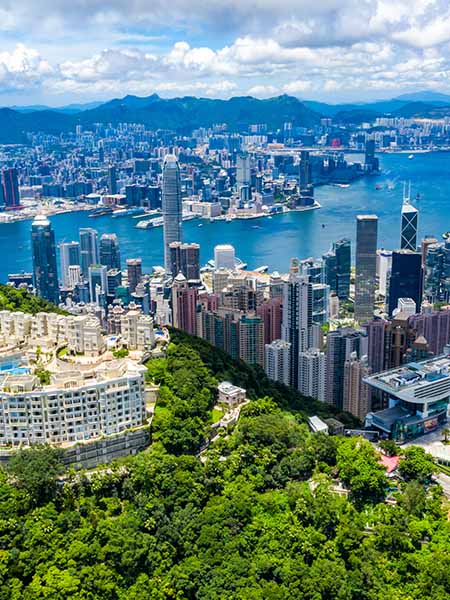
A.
pixel 45 274
pixel 109 251
pixel 366 266
pixel 408 233
pixel 171 206
pixel 88 249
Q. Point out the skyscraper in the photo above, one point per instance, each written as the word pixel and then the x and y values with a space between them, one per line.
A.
pixel 11 189
pixel 297 319
pixel 98 284
pixel 110 251
pixel 69 255
pixel 251 340
pixel 224 257
pixel 408 230
pixel 184 305
pixel 311 378
pixel 366 266
pixel 340 344
pixel 406 278
pixel 45 274
pixel 88 249
pixel 277 361
pixel 185 258
pixel 171 206
pixel 242 170
pixel 134 272
pixel 112 180
pixel 356 398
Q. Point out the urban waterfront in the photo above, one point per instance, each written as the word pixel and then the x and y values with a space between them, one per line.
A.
pixel 272 241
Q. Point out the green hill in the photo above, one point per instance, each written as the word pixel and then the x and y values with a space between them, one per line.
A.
pixel 21 300
pixel 259 518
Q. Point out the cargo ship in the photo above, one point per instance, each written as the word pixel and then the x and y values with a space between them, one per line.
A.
pixel 101 211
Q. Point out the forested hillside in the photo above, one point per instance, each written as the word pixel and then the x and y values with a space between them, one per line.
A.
pixel 260 519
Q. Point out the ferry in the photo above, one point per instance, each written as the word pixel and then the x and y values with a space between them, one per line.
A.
pixel 378 186
pixel 150 223
pixel 411 156
pixel 101 211
pixel 129 212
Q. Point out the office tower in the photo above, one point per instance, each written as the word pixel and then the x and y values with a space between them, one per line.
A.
pixel 184 305
pixel 185 258
pixel 366 265
pixel 384 265
pixel 242 171
pixel 98 284
pixel 224 257
pixel 337 268
pixel 408 230
pixel 313 269
pixel 320 303
pixel 311 376
pixel 251 340
pixel 371 163
pixel 437 272
pixel 73 276
pixel 271 313
pixel 171 206
pixel 110 251
pixel 112 180
pixel 297 319
pixel 134 272
pixel 406 278
pixel 69 254
pixel 305 178
pixel 88 249
pixel 11 188
pixel 356 398
pixel 376 339
pixel 406 305
pixel 114 280
pixel 45 274
pixel 340 344
pixel 277 361
pixel 425 243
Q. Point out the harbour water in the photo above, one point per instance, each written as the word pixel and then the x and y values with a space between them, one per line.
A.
pixel 273 241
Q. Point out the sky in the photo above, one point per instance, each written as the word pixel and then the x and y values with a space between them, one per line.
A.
pixel 56 52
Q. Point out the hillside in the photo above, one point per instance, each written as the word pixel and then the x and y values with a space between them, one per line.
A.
pixel 259 519
pixel 179 114
pixel 21 300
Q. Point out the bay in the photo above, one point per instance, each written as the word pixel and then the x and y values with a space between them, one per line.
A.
pixel 274 241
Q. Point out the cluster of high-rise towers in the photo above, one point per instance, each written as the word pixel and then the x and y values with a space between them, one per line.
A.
pixel 280 322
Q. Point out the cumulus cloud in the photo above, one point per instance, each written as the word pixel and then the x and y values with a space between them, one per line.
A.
pixel 294 47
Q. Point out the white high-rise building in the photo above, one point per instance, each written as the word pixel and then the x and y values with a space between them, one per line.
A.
pixel 384 265
pixel 73 276
pixel 311 374
pixel 69 255
pixel 277 361
pixel 224 256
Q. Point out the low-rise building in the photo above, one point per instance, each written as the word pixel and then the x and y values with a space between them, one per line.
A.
pixel 231 394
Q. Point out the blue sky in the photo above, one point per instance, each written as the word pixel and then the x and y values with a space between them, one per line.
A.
pixel 61 51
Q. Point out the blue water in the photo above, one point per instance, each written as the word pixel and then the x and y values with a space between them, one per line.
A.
pixel 274 241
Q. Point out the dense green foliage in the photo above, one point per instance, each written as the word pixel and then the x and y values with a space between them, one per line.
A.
pixel 264 517
pixel 256 382
pixel 14 299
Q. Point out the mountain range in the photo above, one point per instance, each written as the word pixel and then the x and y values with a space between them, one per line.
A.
pixel 188 113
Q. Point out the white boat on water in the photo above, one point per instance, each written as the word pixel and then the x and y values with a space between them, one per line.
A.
pixel 411 156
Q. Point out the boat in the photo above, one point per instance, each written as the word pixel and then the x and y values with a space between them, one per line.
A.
pixel 378 186
pixel 411 156
pixel 150 223
pixel 341 185
pixel 418 196
pixel 200 225
pixel 128 212
pixel 101 211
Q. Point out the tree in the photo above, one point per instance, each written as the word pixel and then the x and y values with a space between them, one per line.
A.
pixel 389 447
pixel 416 464
pixel 36 470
